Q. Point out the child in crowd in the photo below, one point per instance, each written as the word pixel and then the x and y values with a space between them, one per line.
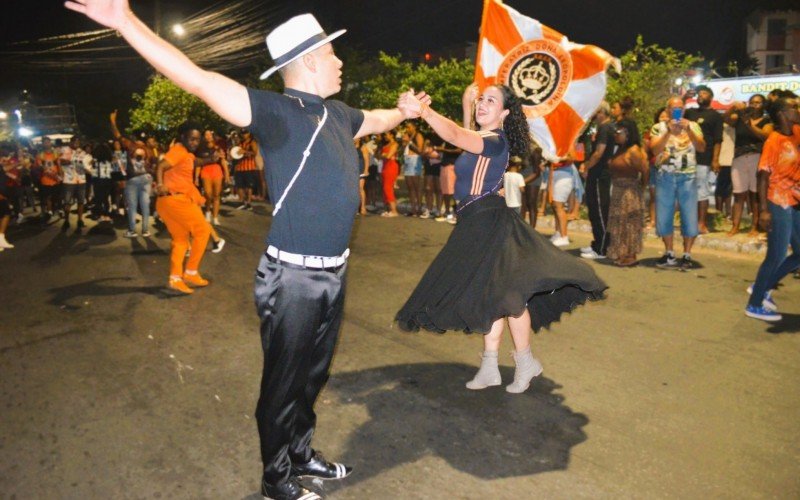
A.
pixel 514 184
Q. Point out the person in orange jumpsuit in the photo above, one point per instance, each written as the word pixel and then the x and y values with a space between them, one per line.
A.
pixel 179 204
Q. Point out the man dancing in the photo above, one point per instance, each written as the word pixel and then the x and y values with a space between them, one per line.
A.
pixel 312 171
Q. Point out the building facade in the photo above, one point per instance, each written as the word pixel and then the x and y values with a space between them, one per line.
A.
pixel 773 39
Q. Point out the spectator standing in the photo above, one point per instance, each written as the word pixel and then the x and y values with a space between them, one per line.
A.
pixel 724 189
pixel 532 175
pixel 629 171
pixel 213 176
pixel 514 185
pixel 363 165
pixel 138 190
pixel 5 210
pixel 413 143
pixel 74 164
pixel 710 122
pixel 389 173
pixel 447 181
pixel 752 129
pixel 432 168
pixel 660 116
pixel 26 190
pixel 675 145
pixel 598 183
pixel 561 184
pixel 50 180
pixel 247 171
pixel 103 182
pixel 119 172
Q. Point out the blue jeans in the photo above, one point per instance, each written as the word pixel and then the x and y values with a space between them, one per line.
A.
pixel 672 186
pixel 785 231
pixel 137 195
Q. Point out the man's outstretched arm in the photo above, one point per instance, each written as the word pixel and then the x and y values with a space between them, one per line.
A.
pixel 226 97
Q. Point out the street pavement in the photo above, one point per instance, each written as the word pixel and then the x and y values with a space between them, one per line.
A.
pixel 113 388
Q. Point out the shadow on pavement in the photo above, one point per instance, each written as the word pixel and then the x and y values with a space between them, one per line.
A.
pixel 789 324
pixel 71 296
pixel 424 409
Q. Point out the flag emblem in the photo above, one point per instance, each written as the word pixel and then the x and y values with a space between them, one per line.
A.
pixel 561 82
pixel 538 72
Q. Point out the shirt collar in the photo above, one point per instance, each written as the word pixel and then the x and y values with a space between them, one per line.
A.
pixel 304 96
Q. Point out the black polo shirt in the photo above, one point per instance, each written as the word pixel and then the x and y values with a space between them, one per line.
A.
pixel 604 135
pixel 710 122
pixel 317 215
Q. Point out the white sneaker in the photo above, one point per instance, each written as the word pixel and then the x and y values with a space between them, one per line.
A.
pixel 216 221
pixel 591 255
pixel 561 241
pixel 4 243
pixel 20 218
pixel 208 216
pixel 555 236
pixel 588 249
pixel 425 214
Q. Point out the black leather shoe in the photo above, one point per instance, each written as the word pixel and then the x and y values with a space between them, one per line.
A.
pixel 320 468
pixel 290 490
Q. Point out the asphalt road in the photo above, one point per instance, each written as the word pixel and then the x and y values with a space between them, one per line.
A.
pixel 112 388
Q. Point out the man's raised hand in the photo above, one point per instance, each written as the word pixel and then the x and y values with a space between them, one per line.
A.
pixel 109 13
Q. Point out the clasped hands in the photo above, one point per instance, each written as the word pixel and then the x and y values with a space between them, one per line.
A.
pixel 413 105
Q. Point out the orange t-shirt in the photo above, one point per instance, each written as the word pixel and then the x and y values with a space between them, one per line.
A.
pixel 180 178
pixel 247 164
pixel 781 158
pixel 51 172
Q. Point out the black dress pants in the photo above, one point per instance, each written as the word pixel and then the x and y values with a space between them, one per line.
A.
pixel 300 312
pixel 598 199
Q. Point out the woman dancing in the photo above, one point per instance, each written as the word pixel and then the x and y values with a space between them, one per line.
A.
pixel 213 175
pixel 494 266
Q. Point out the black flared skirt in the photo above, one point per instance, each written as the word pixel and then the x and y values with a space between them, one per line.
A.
pixel 492 266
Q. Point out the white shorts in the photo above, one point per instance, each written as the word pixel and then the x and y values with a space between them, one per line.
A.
pixel 744 173
pixel 701 177
pixel 563 184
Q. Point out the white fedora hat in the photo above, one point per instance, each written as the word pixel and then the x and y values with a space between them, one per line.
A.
pixel 294 38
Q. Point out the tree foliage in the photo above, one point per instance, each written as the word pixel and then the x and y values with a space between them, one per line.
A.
pixel 444 82
pixel 648 75
pixel 163 107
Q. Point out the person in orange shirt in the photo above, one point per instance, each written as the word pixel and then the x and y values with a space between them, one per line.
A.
pixel 179 204
pixel 779 196
pixel 47 160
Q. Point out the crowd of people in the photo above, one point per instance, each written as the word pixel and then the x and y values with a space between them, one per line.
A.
pixel 628 182
pixel 114 179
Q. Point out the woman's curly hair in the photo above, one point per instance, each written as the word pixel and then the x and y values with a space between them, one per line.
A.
pixel 515 124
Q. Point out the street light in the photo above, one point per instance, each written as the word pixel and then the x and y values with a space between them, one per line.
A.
pixel 3 115
pixel 25 132
pixel 178 29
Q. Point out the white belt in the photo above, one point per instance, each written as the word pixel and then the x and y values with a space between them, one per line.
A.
pixel 311 261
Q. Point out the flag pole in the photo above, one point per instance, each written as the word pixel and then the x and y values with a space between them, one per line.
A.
pixel 480 37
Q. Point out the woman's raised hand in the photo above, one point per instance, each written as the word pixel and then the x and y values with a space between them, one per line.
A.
pixel 109 13
pixel 471 94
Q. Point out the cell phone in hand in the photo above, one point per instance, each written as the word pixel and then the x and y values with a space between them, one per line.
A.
pixel 677 114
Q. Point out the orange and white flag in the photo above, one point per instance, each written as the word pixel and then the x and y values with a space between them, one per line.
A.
pixel 561 83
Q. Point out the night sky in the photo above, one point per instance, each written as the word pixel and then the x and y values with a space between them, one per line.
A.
pixel 713 28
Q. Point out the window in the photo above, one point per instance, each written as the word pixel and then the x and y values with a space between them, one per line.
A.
pixel 775 61
pixel 776 34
